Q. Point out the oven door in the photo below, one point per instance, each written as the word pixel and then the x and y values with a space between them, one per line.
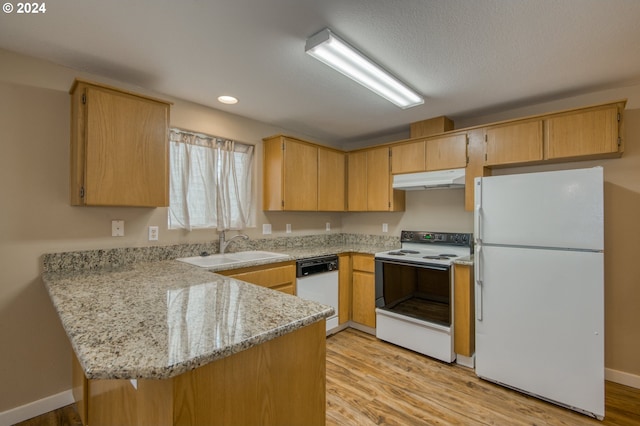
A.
pixel 415 290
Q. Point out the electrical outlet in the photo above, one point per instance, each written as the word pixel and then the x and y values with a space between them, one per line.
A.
pixel 385 227
pixel 117 228
pixel 288 227
pixel 153 233
pixel 328 227
pixel 266 228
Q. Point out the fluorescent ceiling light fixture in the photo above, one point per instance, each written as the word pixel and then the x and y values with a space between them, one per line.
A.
pixel 327 47
pixel 230 100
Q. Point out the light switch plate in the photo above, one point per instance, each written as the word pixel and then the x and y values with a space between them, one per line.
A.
pixel 266 228
pixel 328 226
pixel 117 228
pixel 288 228
pixel 385 227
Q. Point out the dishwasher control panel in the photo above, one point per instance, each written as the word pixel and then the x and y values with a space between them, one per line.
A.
pixel 316 265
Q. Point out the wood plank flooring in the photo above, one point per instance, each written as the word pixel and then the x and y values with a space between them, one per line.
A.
pixel 370 382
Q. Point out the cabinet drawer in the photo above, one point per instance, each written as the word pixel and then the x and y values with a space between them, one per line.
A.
pixel 280 278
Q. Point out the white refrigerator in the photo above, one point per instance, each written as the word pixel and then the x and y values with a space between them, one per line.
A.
pixel 539 285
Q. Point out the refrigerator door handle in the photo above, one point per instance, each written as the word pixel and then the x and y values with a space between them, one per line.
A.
pixel 477 216
pixel 478 273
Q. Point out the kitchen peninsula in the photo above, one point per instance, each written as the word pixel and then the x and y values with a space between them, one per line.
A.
pixel 167 343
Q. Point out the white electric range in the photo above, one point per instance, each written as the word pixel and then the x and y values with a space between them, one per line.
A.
pixel 414 291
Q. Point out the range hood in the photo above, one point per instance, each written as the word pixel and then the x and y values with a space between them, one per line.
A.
pixel 442 179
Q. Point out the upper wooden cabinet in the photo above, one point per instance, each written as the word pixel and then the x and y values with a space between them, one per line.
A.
pixel 594 131
pixel 446 152
pixel 436 153
pixel 331 180
pixel 408 157
pixel 290 171
pixel 369 182
pixel 302 176
pixel 513 143
pixel 119 147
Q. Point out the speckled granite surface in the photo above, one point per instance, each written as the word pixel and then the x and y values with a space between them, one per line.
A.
pixel 161 319
pixel 467 260
pixel 297 247
pixel 131 313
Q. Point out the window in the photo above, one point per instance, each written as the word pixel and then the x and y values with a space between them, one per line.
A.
pixel 211 182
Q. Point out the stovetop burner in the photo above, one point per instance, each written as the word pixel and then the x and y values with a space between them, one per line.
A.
pixel 403 252
pixel 440 257
pixel 430 247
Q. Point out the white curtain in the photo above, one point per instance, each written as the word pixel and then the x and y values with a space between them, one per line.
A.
pixel 211 184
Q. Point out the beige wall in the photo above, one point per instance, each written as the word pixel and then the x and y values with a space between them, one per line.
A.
pixel 36 218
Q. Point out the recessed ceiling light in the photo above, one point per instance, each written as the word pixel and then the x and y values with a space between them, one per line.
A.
pixel 230 100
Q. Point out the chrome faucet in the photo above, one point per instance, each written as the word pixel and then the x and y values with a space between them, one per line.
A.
pixel 224 243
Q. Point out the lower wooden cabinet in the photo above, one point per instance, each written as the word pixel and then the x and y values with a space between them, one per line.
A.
pixel 279 276
pixel 284 377
pixel 363 290
pixel 464 311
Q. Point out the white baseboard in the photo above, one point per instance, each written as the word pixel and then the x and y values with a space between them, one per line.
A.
pixel 36 408
pixel 622 378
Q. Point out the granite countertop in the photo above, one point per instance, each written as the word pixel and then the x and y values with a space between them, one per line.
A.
pixel 160 319
pixel 466 260
pixel 298 253
pixel 135 313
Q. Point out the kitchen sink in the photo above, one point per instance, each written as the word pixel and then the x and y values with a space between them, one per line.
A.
pixel 230 258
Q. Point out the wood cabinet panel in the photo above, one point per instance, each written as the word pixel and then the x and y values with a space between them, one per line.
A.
pixel 344 288
pixel 119 148
pixel 281 381
pixel 514 143
pixel 583 133
pixel 300 176
pixel 378 179
pixel 357 181
pixel 464 310
pixel 475 168
pixel 364 291
pixel 331 180
pixel 448 152
pixel 290 175
pixel 281 277
pixel 408 157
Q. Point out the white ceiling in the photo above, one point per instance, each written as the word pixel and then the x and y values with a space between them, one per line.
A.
pixel 466 57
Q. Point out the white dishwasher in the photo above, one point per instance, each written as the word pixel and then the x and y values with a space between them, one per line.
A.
pixel 317 280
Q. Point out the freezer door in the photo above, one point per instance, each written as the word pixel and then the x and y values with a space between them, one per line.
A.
pixel 562 209
pixel 541 325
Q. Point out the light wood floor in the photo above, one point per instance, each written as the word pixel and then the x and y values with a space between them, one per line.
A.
pixel 370 382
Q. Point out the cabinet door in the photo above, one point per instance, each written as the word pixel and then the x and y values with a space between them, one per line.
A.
pixel 300 176
pixel 408 158
pixel 449 152
pixel 357 181
pixel 514 143
pixel 364 298
pixel 364 291
pixel 127 151
pixel 331 180
pixel 378 179
pixel 583 133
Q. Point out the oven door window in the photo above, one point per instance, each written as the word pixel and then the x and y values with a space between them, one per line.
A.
pixel 418 291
